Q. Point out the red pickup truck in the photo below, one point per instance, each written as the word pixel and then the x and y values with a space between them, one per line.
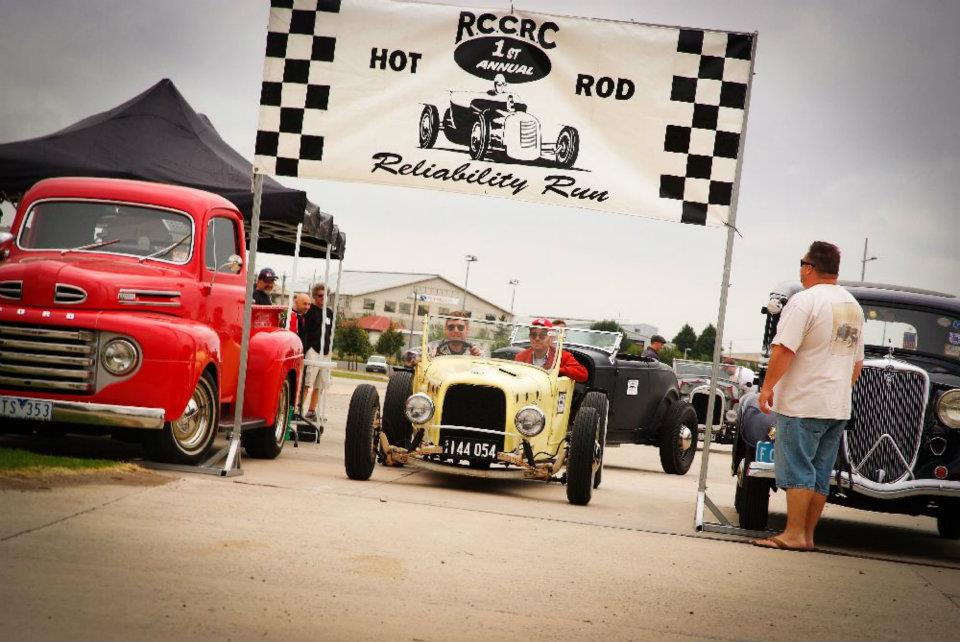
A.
pixel 121 308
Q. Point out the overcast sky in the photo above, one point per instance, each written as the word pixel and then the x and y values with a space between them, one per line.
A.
pixel 852 132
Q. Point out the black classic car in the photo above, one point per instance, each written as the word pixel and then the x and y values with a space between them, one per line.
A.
pixel 498 123
pixel 644 402
pixel 900 452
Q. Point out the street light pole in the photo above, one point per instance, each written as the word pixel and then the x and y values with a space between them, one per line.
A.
pixel 513 297
pixel 863 263
pixel 470 259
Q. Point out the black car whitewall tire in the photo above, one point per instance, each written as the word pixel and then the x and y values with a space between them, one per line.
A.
pixel 752 500
pixel 582 455
pixel 362 433
pixel 266 443
pixel 187 439
pixel 678 438
pixel 429 126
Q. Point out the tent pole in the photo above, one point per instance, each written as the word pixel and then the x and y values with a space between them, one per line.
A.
pixel 333 329
pixel 233 455
pixel 702 500
pixel 293 277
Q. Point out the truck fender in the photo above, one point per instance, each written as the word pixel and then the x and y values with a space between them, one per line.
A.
pixel 273 355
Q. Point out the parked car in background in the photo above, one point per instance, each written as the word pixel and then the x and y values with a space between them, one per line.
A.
pixel 377 363
pixel 900 452
pixel 121 309
pixel 693 378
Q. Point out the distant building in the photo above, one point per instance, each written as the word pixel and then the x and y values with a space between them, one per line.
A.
pixel 384 299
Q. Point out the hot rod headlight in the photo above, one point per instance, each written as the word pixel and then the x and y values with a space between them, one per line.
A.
pixel 419 408
pixel 530 421
pixel 119 356
pixel 948 408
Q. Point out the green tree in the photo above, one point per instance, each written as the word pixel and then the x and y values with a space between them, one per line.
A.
pixel 501 338
pixel 390 343
pixel 352 341
pixel 705 343
pixel 668 354
pixel 686 339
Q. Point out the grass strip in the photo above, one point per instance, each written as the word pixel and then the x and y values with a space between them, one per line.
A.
pixel 14 461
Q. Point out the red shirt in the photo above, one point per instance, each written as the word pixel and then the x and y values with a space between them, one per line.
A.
pixel 569 366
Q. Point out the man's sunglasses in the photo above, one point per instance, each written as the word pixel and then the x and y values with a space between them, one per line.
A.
pixel 802 263
pixel 460 327
pixel 538 334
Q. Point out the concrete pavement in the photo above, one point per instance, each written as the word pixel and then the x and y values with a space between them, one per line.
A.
pixel 295 550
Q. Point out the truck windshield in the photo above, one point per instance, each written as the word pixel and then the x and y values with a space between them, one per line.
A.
pixel 111 228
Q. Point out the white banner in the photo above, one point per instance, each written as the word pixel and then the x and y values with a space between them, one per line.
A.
pixel 612 116
pixel 435 298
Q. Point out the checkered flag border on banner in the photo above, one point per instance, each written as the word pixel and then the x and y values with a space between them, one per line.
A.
pixel 702 152
pixel 294 93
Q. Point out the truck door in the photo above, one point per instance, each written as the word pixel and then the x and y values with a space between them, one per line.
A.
pixel 223 308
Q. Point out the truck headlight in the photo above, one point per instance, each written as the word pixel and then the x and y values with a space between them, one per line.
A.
pixel 530 421
pixel 419 408
pixel 119 356
pixel 948 408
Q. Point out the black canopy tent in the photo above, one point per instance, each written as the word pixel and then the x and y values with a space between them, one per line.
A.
pixel 157 136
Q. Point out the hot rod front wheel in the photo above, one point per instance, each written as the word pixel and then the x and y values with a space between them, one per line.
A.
pixel 187 439
pixel 582 456
pixel 567 147
pixel 479 138
pixel 363 432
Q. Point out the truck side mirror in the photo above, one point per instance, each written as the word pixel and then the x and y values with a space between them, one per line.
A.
pixel 6 242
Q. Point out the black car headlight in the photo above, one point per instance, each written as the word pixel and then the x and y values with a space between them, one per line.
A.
pixel 119 356
pixel 948 408
pixel 419 408
pixel 530 421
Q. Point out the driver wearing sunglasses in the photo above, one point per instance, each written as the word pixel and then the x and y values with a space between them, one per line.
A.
pixel 543 352
pixel 455 332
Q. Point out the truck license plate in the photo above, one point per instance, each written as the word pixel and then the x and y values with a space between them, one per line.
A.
pixel 467 449
pixel 20 408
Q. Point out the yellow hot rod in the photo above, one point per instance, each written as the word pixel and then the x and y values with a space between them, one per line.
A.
pixel 469 407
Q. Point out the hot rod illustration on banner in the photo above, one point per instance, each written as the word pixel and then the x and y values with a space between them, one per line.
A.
pixel 619 117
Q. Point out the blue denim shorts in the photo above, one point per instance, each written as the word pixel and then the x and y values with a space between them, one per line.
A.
pixel 805 452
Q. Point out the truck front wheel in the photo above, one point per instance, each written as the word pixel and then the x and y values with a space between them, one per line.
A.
pixel 187 439
pixel 266 443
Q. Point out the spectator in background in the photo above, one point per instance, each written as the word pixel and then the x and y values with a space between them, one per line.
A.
pixel 301 304
pixel 261 294
pixel 319 325
pixel 652 351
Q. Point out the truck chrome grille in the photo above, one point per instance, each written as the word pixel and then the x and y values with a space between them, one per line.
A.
pixel 887 420
pixel 47 359
pixel 11 290
pixel 528 133
pixel 69 294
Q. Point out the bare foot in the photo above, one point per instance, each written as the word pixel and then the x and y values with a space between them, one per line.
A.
pixel 782 543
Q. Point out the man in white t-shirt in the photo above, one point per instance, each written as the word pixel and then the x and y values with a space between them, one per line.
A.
pixel 817 357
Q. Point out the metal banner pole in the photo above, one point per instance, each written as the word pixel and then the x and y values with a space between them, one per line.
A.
pixel 293 278
pixel 702 499
pixel 233 455
pixel 333 328
pixel 413 317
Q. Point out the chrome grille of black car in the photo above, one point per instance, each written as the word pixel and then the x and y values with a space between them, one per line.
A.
pixel 528 133
pixel 47 359
pixel 69 294
pixel 11 290
pixel 476 407
pixel 887 421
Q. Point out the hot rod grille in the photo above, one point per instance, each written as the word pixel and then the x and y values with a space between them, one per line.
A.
pixel 47 359
pixel 528 133
pixel 700 401
pixel 887 421
pixel 476 407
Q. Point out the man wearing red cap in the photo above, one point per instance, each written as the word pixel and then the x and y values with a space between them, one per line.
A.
pixel 542 352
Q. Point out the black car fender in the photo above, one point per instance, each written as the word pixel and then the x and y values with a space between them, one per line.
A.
pixel 671 397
